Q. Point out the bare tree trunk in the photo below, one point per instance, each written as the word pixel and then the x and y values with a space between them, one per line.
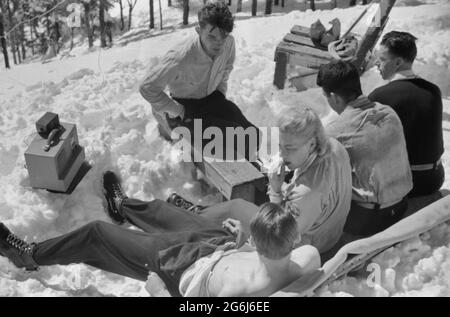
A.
pixel 130 11
pixel 160 15
pixel 88 24
pixel 122 22
pixel 31 38
pixel 282 3
pixel 185 12
pixel 313 5
pixel 2 37
pixel 12 37
pixel 169 3
pixel 254 7
pixel 239 6
pixel 268 7
pixel 71 38
pixel 352 3
pixel 152 14
pixel 229 2
pixel 276 2
pixel 101 18
pixel 22 42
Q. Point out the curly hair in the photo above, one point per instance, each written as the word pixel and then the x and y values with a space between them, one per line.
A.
pixel 217 14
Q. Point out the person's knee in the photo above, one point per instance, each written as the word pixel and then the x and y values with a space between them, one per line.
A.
pixel 238 203
pixel 96 227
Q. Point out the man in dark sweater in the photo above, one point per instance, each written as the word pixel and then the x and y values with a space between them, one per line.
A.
pixel 418 103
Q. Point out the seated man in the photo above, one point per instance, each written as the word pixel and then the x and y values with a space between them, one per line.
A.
pixel 180 247
pixel 196 73
pixel 373 137
pixel 319 193
pixel 418 103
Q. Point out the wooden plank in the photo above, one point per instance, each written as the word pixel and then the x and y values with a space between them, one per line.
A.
pixel 300 30
pixel 304 50
pixel 372 35
pixel 279 78
pixel 232 179
pixel 307 61
pixel 301 39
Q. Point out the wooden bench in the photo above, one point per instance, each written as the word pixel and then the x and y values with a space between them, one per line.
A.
pixel 297 50
pixel 233 179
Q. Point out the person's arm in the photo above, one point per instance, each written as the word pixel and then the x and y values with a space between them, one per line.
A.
pixel 153 85
pixel 236 228
pixel 305 204
pixel 223 86
pixel 276 180
pixel 307 258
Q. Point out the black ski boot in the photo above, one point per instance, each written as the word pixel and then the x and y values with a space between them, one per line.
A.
pixel 114 195
pixel 180 202
pixel 17 250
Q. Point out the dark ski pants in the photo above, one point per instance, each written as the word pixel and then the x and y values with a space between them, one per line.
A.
pixel 366 222
pixel 427 182
pixel 217 111
pixel 130 252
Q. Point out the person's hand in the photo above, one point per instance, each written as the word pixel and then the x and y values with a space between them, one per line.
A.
pixel 155 286
pixel 236 229
pixel 276 178
pixel 180 112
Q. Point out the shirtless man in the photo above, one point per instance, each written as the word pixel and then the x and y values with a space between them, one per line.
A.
pixel 190 254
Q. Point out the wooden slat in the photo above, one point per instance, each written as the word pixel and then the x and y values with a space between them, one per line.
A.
pixel 232 179
pixel 372 35
pixel 279 78
pixel 304 50
pixel 302 40
pixel 300 30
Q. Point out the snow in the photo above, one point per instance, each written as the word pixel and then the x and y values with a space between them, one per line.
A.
pixel 98 92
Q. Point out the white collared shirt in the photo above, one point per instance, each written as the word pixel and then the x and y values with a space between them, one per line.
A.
pixel 403 74
pixel 188 72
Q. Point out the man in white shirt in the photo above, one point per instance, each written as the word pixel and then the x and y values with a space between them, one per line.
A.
pixel 196 73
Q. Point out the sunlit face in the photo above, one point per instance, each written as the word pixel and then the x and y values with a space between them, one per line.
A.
pixel 212 39
pixel 387 63
pixel 294 150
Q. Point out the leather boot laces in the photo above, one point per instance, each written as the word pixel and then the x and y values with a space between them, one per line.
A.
pixel 19 244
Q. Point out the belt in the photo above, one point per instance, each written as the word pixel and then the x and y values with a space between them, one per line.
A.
pixel 425 167
pixel 377 205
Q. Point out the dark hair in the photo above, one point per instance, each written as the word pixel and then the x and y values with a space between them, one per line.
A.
pixel 217 14
pixel 274 231
pixel 341 78
pixel 401 44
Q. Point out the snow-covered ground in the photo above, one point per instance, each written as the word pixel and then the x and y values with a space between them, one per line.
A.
pixel 98 92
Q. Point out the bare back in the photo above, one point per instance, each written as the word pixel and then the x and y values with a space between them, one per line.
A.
pixel 243 274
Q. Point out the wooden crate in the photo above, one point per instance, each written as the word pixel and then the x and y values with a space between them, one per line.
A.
pixel 297 50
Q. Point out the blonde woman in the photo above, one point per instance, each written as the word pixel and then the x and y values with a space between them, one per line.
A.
pixel 319 193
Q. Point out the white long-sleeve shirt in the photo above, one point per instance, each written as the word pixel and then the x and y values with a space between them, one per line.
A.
pixel 188 72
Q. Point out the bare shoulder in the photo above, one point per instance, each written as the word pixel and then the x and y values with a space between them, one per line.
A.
pixel 306 257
